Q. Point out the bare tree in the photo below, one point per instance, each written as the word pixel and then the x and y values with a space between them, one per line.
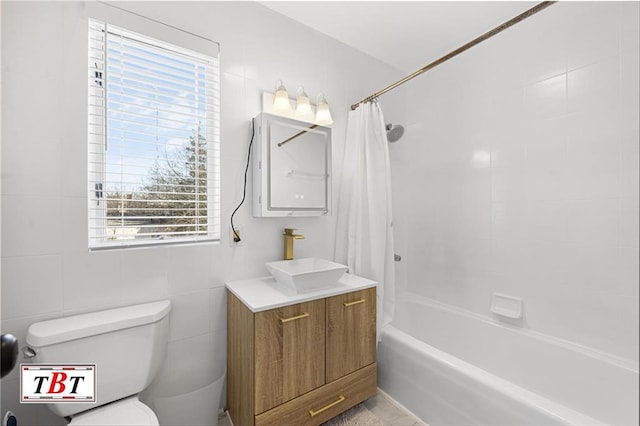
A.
pixel 174 196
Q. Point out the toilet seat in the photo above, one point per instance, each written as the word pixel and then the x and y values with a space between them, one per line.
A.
pixel 129 412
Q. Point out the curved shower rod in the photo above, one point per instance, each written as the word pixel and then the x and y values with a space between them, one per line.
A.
pixel 535 9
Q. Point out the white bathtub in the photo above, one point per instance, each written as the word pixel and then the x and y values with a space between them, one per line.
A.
pixel 452 367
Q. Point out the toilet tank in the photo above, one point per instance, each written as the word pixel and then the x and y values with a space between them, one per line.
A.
pixel 127 345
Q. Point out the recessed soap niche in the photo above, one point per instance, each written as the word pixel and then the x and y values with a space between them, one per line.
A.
pixel 291 168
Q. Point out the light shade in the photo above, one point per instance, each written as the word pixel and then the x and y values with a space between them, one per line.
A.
pixel 281 101
pixel 303 106
pixel 323 115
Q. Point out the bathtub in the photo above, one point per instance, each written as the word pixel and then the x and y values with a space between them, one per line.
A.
pixel 453 367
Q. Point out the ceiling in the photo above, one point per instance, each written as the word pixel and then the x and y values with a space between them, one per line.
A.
pixel 404 34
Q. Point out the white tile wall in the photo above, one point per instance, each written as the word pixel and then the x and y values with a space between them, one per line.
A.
pixel 91 281
pixel 546 99
pixel 47 270
pixel 40 276
pixel 190 315
pixel 34 223
pixel 562 190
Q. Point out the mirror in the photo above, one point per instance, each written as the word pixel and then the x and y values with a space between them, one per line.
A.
pixel 292 165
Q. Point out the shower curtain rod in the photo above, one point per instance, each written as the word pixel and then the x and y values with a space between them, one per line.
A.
pixel 459 50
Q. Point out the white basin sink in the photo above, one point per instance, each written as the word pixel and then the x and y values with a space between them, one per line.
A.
pixel 308 274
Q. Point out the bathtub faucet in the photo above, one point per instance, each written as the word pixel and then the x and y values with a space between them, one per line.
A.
pixel 289 236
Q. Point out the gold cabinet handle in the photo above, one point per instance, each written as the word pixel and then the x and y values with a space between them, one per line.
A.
pixel 326 407
pixel 303 315
pixel 346 304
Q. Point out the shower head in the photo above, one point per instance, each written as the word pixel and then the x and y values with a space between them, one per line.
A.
pixel 394 132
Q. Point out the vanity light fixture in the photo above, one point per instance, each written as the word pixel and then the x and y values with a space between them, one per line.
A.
pixel 303 106
pixel 323 115
pixel 281 100
pixel 300 108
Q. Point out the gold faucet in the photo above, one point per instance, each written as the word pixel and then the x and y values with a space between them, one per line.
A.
pixel 289 236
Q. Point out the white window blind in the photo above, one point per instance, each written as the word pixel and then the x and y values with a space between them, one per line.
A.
pixel 154 136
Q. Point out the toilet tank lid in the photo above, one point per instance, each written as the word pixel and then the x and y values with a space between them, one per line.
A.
pixel 59 330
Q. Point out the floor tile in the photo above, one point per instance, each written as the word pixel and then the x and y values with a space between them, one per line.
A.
pixel 380 405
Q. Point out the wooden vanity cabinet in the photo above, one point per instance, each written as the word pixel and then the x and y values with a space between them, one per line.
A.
pixel 300 364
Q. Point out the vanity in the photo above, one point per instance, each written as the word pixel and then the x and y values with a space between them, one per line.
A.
pixel 299 358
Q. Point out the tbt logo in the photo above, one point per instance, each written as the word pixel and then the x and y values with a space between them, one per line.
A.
pixel 57 383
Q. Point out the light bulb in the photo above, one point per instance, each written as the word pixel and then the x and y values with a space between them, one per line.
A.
pixel 323 115
pixel 303 106
pixel 281 100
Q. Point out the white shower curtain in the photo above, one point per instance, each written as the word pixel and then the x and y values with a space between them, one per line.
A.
pixel 364 239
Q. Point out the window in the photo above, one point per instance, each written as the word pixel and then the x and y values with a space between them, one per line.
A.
pixel 154 163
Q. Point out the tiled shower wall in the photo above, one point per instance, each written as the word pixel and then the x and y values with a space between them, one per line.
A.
pixel 47 271
pixel 521 169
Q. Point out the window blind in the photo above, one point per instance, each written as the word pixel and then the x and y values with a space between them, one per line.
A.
pixel 154 137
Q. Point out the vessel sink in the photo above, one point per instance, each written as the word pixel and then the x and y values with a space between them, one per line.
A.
pixel 307 274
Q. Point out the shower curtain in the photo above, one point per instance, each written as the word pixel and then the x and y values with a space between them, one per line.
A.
pixel 364 240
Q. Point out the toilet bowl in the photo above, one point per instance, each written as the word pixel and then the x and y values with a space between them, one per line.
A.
pixel 127 345
pixel 127 412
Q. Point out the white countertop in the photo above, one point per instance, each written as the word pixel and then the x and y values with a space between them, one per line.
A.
pixel 264 293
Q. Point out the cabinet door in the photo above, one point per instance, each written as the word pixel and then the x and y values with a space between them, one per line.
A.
pixel 289 353
pixel 351 332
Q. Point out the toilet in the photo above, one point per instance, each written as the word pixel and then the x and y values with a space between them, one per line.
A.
pixel 127 345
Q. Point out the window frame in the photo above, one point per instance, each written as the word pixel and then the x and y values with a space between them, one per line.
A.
pixel 98 128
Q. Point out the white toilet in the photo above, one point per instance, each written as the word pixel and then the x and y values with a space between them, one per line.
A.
pixel 127 345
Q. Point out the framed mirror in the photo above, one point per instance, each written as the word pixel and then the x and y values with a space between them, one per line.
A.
pixel 292 168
